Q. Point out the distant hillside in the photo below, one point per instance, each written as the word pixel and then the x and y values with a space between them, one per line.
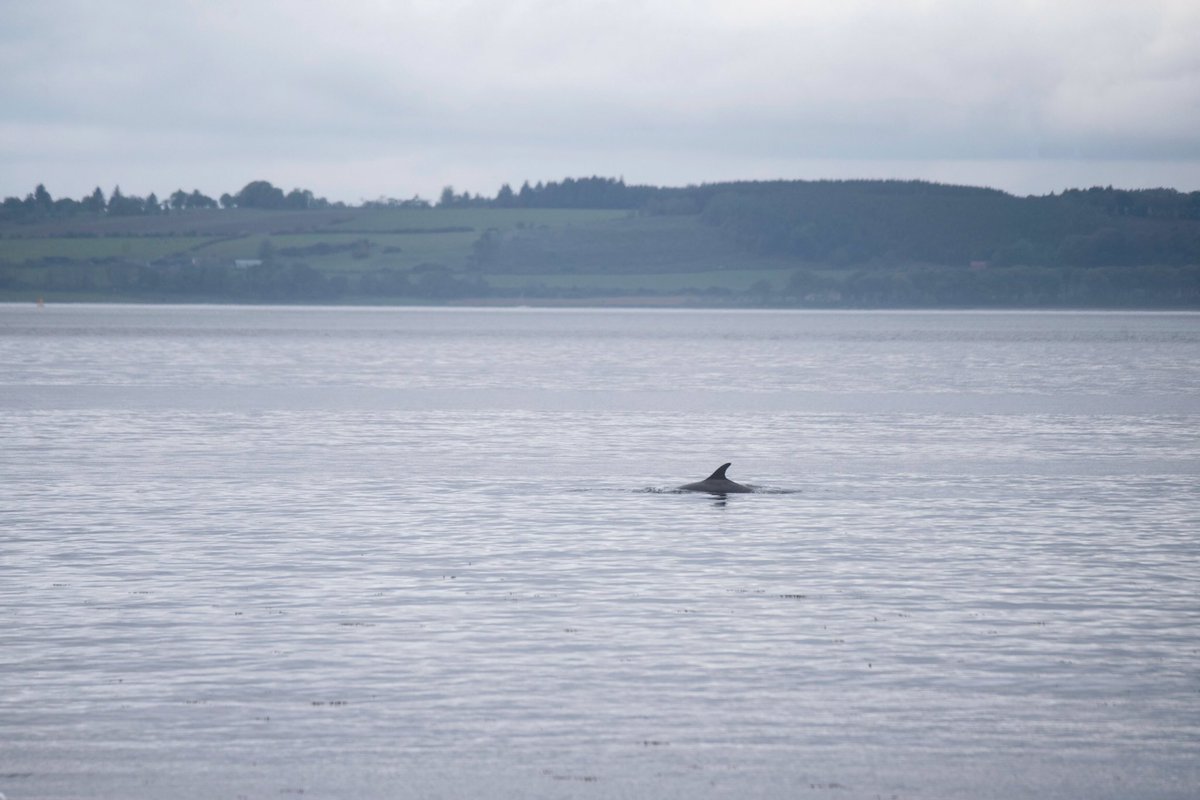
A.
pixel 891 223
pixel 791 243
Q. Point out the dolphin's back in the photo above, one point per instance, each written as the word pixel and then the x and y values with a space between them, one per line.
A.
pixel 716 483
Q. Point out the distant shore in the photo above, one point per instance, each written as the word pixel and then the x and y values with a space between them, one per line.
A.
pixel 743 245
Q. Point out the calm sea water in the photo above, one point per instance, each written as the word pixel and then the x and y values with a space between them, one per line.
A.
pixel 392 553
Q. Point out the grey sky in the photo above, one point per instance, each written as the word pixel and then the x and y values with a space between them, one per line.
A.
pixel 363 98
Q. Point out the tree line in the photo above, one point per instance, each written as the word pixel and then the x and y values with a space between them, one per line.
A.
pixel 40 205
pixel 593 192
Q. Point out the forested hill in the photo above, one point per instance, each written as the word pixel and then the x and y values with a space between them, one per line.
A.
pixel 907 222
pixel 899 223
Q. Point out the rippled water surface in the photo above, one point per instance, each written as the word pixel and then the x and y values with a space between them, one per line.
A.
pixel 377 553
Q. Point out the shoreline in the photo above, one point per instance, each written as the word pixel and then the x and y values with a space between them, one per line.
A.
pixel 647 302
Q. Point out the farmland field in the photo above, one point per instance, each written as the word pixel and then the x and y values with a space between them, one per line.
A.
pixel 395 238
pixel 376 255
pixel 89 248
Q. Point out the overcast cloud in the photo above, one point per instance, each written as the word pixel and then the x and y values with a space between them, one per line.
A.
pixel 365 98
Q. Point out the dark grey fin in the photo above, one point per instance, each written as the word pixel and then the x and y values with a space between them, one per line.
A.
pixel 719 475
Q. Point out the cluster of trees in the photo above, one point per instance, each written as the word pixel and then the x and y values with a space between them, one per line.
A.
pixel 40 205
pixel 183 201
pixel 261 194
pixel 1156 203
pixel 593 192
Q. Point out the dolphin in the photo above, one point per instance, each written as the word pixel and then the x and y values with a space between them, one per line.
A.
pixel 716 483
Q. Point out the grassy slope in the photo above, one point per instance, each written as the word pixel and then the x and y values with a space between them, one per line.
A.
pixel 411 234
pixel 137 248
pixel 585 251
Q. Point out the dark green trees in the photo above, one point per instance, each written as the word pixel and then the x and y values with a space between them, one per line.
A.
pixel 260 194
pixel 182 201
pixel 95 202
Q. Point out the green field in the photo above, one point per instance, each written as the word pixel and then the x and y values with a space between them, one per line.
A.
pixel 398 238
pixel 378 250
pixel 480 219
pixel 85 249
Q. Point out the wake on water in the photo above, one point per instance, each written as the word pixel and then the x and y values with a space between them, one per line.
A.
pixel 754 490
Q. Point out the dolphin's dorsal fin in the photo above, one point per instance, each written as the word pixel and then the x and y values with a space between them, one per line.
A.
pixel 719 475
